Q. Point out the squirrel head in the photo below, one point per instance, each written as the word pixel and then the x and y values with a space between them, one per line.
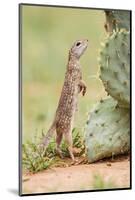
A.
pixel 78 48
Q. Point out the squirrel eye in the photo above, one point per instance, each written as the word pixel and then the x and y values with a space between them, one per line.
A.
pixel 78 43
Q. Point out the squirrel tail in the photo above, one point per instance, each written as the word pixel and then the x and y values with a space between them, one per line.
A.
pixel 47 137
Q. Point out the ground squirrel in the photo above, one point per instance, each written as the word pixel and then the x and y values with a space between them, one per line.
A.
pixel 73 85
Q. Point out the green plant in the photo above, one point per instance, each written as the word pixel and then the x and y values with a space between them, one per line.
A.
pixel 33 159
pixel 116 20
pixel 37 159
pixel 108 127
pixel 115 66
pixel 100 183
pixel 107 130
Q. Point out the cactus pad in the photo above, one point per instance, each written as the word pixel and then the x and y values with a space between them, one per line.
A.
pixel 107 131
pixel 114 64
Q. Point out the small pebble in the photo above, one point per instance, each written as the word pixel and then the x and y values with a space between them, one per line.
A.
pixel 109 164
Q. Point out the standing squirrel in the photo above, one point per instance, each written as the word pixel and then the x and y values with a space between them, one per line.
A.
pixel 73 85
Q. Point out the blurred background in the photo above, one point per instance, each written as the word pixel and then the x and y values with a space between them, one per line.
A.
pixel 47 35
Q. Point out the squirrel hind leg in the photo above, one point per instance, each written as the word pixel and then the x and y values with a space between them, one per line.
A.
pixel 68 138
pixel 58 142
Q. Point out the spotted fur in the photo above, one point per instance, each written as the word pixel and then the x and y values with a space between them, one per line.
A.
pixel 67 106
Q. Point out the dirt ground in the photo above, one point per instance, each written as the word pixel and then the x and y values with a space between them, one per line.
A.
pixel 78 177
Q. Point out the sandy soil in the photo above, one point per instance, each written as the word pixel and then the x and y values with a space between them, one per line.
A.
pixel 78 177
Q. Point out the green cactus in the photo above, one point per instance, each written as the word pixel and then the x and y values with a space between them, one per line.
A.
pixel 107 131
pixel 116 20
pixel 114 64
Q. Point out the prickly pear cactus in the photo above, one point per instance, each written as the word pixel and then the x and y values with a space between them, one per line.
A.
pixel 107 131
pixel 114 64
pixel 116 20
